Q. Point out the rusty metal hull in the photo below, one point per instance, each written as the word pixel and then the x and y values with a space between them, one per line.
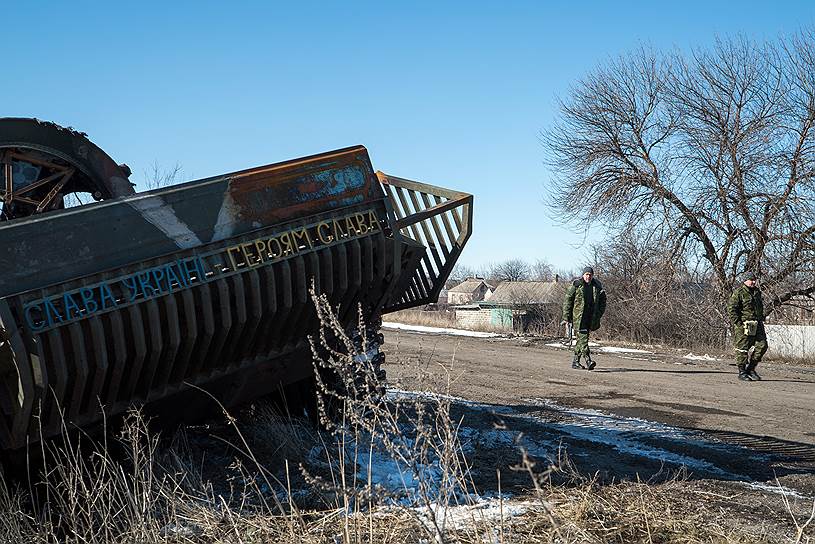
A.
pixel 203 285
pixel 60 246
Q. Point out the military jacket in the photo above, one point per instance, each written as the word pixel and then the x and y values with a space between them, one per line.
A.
pixel 745 305
pixel 574 304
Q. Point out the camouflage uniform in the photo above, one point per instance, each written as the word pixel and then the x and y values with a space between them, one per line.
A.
pixel 580 297
pixel 746 305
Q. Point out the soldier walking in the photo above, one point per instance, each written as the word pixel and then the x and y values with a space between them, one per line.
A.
pixel 746 311
pixel 584 305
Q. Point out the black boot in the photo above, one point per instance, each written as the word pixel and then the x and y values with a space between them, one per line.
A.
pixel 576 361
pixel 751 372
pixel 743 375
pixel 590 364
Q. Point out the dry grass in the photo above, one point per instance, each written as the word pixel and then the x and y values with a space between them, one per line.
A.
pixel 631 512
pixel 165 498
pixel 279 479
pixel 436 318
pixel 426 318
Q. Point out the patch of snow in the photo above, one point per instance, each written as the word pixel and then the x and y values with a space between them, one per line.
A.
pixel 394 393
pixel 630 444
pixel 615 349
pixel 704 357
pixel 775 488
pixel 405 480
pixel 601 349
pixel 410 483
pixel 597 418
pixel 390 475
pixel 570 346
pixel 486 511
pixel 383 471
pixel 626 434
pixel 490 438
pixel 181 529
pixel 438 330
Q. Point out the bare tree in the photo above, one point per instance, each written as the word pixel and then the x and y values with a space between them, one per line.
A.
pixel 461 272
pixel 541 271
pixel 156 176
pixel 653 299
pixel 510 270
pixel 711 153
pixel 565 274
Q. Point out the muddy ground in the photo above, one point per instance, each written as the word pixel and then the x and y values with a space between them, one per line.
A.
pixel 664 388
pixel 637 415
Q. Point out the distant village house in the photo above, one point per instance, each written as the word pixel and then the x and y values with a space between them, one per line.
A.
pixel 469 291
pixel 518 306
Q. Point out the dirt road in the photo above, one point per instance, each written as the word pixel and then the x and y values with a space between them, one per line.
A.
pixel 634 416
pixel 663 388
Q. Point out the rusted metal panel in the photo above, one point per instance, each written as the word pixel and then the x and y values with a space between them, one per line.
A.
pixel 81 241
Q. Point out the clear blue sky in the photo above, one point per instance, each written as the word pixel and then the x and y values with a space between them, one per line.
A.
pixel 451 93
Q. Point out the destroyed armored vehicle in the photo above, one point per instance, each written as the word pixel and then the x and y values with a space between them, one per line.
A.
pixel 151 298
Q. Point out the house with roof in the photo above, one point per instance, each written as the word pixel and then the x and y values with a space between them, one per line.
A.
pixel 518 306
pixel 469 291
pixel 443 299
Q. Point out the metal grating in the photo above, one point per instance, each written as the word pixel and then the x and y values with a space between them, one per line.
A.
pixel 438 219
